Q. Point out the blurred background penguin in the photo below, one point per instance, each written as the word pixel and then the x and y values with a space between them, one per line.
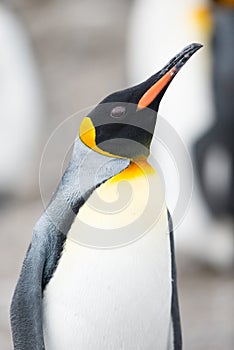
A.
pixel 214 150
pixel 200 109
pixel 21 108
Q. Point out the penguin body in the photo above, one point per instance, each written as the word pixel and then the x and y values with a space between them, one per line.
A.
pixel 123 278
pixel 120 302
pixel 100 273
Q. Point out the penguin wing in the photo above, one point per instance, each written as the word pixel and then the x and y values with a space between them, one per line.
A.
pixel 26 318
pixel 26 307
pixel 175 313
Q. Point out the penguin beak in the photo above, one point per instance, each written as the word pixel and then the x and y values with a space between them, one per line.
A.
pixel 158 83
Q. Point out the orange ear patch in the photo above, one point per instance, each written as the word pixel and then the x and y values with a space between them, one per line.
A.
pixel 87 135
pixel 153 92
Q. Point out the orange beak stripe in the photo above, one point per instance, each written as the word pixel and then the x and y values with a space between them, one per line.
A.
pixel 153 92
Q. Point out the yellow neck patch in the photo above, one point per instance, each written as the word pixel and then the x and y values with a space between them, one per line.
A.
pixel 87 135
pixel 140 167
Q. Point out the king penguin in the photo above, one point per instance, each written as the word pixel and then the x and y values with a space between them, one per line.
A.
pixel 98 276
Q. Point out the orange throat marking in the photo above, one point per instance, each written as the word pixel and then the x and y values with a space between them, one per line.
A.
pixel 137 168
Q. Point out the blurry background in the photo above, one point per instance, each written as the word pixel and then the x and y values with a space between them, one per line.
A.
pixel 59 56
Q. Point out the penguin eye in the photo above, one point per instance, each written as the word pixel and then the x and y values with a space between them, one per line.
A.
pixel 118 112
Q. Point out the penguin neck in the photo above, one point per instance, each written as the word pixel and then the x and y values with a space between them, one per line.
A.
pixel 127 205
pixel 138 167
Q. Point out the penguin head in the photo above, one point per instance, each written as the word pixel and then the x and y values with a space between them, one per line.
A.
pixel 122 125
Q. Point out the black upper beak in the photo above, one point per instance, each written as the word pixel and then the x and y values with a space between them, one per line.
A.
pixel 155 87
pixel 181 58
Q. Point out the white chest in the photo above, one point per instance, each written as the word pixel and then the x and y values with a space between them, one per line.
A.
pixel 111 299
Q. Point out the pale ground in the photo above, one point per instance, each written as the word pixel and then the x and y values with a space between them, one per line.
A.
pixel 79 46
